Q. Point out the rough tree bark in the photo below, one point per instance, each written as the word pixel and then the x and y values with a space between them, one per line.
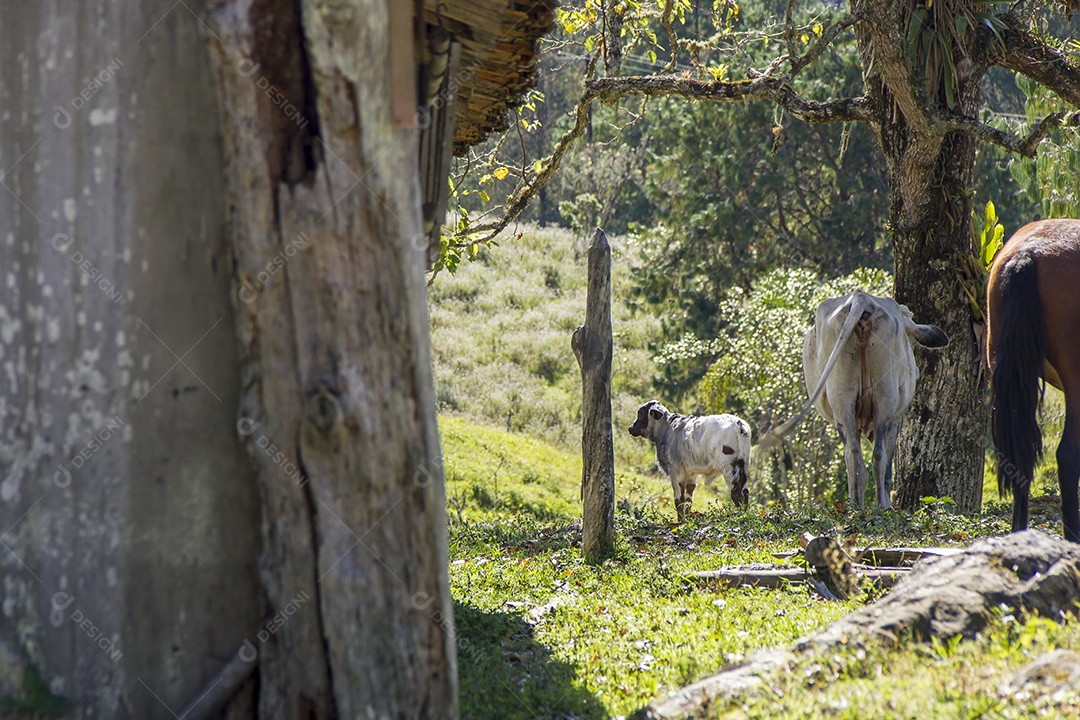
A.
pixel 937 455
pixel 338 405
pixel 592 345
pixel 129 513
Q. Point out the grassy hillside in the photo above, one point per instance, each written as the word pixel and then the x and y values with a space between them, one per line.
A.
pixel 493 474
pixel 500 336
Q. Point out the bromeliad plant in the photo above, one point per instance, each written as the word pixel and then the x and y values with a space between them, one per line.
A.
pixel 987 238
pixel 938 27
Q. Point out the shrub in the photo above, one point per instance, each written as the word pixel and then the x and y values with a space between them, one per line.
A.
pixel 758 375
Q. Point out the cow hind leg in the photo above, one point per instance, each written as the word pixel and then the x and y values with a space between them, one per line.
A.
pixel 884 449
pixel 1068 459
pixel 853 460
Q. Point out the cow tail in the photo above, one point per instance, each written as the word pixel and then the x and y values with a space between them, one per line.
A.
pixel 772 438
pixel 1020 344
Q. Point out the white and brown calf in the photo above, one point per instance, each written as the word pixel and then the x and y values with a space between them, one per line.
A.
pixel 689 445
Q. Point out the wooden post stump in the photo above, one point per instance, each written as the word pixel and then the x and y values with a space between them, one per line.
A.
pixel 592 346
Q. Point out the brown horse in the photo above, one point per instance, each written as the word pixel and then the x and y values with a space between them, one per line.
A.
pixel 1033 303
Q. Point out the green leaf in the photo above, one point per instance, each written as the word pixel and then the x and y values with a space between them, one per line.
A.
pixel 994 23
pixel 918 17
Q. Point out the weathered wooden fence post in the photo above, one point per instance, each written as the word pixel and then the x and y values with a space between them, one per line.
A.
pixel 592 347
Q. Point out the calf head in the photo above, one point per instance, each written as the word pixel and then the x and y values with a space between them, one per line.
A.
pixel 652 419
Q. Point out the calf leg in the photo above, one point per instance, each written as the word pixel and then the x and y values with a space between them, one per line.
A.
pixel 1068 459
pixel 683 488
pixel 688 497
pixel 884 448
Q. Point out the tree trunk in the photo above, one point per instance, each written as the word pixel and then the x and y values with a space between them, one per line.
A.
pixel 338 405
pixel 592 346
pixel 941 443
pixel 129 512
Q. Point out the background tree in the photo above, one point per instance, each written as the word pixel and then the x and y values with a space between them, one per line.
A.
pixel 919 93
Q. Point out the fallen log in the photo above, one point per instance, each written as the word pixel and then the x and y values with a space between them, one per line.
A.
pixel 898 557
pixel 943 597
pixel 772 576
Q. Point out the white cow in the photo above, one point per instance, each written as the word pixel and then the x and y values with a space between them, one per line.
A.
pixel 688 446
pixel 858 358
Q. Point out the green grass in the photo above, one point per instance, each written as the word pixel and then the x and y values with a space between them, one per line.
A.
pixel 492 474
pixel 542 634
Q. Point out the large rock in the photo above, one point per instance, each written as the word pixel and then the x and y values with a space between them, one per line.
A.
pixel 942 597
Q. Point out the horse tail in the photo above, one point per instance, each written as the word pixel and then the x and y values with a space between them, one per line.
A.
pixel 1020 344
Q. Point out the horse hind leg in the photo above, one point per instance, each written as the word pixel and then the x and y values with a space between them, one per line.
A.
pixel 1068 460
pixel 1020 507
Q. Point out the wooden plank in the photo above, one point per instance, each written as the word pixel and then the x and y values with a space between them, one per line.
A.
pixel 445 150
pixel 752 575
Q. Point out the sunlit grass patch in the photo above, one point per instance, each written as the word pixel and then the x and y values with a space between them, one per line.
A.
pixel 501 331
pixel 542 634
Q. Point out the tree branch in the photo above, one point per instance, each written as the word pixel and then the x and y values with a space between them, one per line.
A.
pixel 1026 145
pixel 789 29
pixel 610 89
pixel 762 87
pixel 525 190
pixel 827 36
pixel 1030 55
pixel 819 113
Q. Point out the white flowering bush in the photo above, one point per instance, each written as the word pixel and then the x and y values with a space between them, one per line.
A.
pixel 758 375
